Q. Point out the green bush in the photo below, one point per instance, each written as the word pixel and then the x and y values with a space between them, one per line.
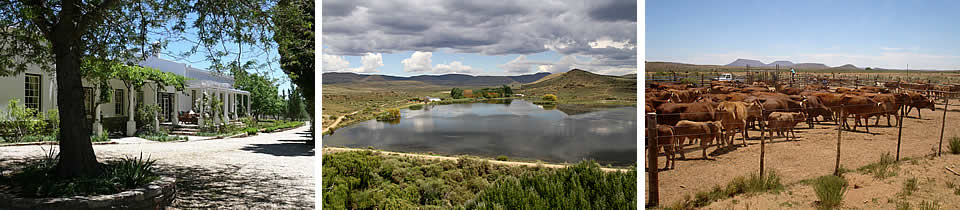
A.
pixel 38 178
pixel 145 116
pixel 954 145
pixel 502 158
pixel 416 107
pixel 830 190
pixel 369 180
pixel 389 115
pixel 909 187
pixel 250 131
pixel 885 168
pixel 740 185
pixel 549 97
pixel 22 122
pixel 161 137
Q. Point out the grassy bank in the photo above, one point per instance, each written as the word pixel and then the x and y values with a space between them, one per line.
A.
pixel 369 180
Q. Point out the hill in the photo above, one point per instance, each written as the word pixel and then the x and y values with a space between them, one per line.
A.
pixel 810 66
pixel 582 86
pixel 444 80
pixel 746 62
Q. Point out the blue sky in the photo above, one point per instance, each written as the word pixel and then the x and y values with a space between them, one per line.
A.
pixel 421 37
pixel 198 60
pixel 886 34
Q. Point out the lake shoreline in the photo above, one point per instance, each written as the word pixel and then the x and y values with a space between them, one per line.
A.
pixel 331 150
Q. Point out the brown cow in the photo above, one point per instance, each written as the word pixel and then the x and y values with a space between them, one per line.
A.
pixel 888 107
pixel 706 132
pixel 668 143
pixel 783 122
pixel 813 107
pixel 671 113
pixel 733 116
pixel 918 101
pixel 859 106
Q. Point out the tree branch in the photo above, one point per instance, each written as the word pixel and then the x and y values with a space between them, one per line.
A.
pixel 95 16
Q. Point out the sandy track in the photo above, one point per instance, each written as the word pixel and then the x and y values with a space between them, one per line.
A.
pixel 331 150
pixel 811 156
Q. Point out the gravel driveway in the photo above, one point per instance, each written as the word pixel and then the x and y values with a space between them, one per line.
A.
pixel 267 171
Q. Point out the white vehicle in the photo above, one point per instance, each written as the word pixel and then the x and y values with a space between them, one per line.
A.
pixel 724 77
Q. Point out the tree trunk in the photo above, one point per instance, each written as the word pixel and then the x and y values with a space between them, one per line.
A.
pixel 76 152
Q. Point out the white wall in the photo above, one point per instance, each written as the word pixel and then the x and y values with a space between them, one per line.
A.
pixel 12 87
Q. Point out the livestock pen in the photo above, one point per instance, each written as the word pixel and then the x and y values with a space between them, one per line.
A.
pixel 822 148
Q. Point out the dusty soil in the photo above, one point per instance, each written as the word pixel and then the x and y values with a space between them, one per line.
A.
pixel 867 192
pixel 812 155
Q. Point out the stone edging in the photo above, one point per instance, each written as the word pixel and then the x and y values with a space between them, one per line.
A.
pixel 155 195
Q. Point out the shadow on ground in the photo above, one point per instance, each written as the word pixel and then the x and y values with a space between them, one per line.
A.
pixel 293 148
pixel 228 187
pixel 225 187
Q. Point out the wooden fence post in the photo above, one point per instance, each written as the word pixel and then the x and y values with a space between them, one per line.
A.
pixel 900 130
pixel 836 168
pixel 942 125
pixel 653 183
pixel 762 140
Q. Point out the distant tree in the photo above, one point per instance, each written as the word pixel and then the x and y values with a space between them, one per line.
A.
pixel 456 93
pixel 868 69
pixel 507 91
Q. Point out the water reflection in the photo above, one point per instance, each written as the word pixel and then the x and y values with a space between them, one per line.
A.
pixel 515 128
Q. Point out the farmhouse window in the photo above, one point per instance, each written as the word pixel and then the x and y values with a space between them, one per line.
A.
pixel 118 101
pixel 31 94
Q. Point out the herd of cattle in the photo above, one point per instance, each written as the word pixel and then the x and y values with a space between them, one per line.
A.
pixel 717 113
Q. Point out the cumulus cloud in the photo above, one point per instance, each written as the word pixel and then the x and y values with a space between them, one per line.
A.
pixel 418 62
pixel 604 31
pixel 333 63
pixel 421 62
pixel 369 63
pixel 521 65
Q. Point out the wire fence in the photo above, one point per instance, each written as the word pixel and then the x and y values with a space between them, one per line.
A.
pixel 702 125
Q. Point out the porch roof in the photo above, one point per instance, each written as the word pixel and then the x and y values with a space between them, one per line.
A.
pixel 211 85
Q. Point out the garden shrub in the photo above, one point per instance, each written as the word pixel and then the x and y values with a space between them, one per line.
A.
pixel 145 116
pixel 38 178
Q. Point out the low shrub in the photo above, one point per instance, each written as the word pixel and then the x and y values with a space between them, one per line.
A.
pixel 830 190
pixel 502 158
pixel 38 178
pixel 883 169
pixel 909 187
pixel 162 137
pixel 954 146
pixel 369 180
pixel 389 115
pixel 416 107
pixel 104 137
pixel 251 131
pixel 549 97
pixel 770 182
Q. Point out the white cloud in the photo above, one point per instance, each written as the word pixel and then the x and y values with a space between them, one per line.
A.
pixel 605 43
pixel 421 62
pixel 334 63
pixel 891 48
pixel 418 62
pixel 453 67
pixel 521 65
pixel 370 63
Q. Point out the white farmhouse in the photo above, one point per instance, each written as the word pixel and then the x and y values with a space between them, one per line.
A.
pixel 432 99
pixel 37 89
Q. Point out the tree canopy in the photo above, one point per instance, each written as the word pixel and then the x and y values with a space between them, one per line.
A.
pixel 59 34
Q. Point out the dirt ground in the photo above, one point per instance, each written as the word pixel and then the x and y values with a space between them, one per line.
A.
pixel 867 192
pixel 812 155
